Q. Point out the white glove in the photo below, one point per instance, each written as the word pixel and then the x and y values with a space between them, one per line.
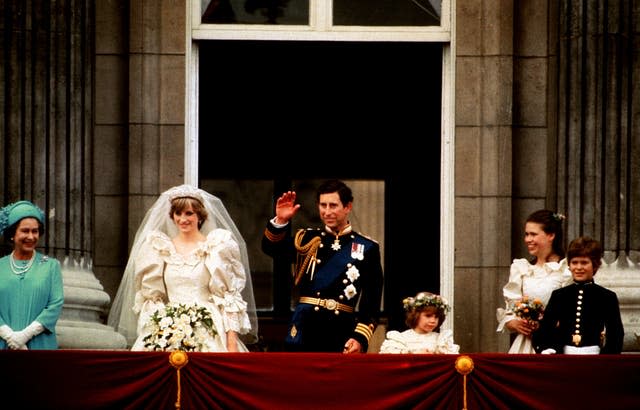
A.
pixel 548 351
pixel 18 340
pixel 34 329
pixel 21 338
pixel 5 331
pixel 8 335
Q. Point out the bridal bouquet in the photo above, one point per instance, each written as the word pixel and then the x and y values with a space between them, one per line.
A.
pixel 529 309
pixel 179 327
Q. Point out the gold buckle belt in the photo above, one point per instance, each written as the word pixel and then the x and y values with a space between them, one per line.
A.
pixel 329 304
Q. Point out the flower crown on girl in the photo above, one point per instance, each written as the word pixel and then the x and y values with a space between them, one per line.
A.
pixel 424 299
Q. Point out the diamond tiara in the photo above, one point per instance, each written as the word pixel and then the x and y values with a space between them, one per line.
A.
pixel 185 191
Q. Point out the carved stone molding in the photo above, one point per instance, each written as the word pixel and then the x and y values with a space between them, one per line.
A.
pixel 80 325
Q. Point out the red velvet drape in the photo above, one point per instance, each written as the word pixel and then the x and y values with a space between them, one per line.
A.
pixel 85 379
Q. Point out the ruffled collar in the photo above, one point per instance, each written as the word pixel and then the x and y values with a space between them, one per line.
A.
pixel 552 266
pixel 165 247
pixel 528 269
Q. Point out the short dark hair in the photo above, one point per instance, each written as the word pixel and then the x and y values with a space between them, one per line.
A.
pixel 181 203
pixel 335 185
pixel 412 316
pixel 586 246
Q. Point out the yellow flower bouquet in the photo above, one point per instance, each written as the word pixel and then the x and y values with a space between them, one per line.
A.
pixel 529 309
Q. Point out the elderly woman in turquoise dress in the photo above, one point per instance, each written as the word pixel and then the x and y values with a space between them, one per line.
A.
pixel 31 289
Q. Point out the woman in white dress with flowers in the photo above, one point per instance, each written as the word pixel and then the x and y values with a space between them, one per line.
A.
pixel 425 313
pixel 534 279
pixel 187 251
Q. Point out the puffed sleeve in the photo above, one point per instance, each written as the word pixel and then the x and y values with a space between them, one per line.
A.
pixel 149 266
pixel 445 343
pixel 394 343
pixel 228 279
pixel 512 291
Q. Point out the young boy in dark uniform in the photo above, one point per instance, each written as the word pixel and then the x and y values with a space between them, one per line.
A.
pixel 581 318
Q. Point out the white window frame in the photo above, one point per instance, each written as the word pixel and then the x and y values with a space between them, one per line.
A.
pixel 321 28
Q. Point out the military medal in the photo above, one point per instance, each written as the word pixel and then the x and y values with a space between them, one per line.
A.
pixel 576 339
pixel 357 251
pixel 336 244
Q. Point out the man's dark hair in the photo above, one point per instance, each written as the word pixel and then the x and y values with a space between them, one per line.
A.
pixel 335 185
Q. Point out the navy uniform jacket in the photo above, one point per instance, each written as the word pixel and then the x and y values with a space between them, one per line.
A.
pixel 351 275
pixel 583 309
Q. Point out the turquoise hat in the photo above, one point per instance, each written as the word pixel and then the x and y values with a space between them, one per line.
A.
pixel 16 211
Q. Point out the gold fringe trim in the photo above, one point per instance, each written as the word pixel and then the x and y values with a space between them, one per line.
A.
pixel 306 254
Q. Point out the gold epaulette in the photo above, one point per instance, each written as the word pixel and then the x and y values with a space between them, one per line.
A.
pixel 274 237
pixel 365 330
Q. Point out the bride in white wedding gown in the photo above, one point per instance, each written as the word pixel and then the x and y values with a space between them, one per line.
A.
pixel 197 257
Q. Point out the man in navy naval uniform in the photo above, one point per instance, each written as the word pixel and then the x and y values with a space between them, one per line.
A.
pixel 335 269
pixel 581 318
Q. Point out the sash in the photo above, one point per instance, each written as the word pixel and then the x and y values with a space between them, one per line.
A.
pixel 337 265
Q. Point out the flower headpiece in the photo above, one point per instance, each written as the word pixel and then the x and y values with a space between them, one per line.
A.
pixel 424 299
pixel 185 191
pixel 16 211
pixel 559 217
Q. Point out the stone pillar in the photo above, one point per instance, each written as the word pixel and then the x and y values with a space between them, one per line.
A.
pixel 47 96
pixel 622 275
pixel 598 146
pixel 483 169
pixel 85 303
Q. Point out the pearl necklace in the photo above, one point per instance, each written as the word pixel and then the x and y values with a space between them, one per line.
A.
pixel 21 269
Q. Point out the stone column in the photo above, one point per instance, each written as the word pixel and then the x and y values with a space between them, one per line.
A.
pixel 85 302
pixel 598 147
pixel 483 168
pixel 47 95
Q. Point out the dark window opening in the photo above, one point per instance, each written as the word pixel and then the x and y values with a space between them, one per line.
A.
pixel 275 112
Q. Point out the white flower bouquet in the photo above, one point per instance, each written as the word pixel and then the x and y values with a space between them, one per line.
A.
pixel 179 327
